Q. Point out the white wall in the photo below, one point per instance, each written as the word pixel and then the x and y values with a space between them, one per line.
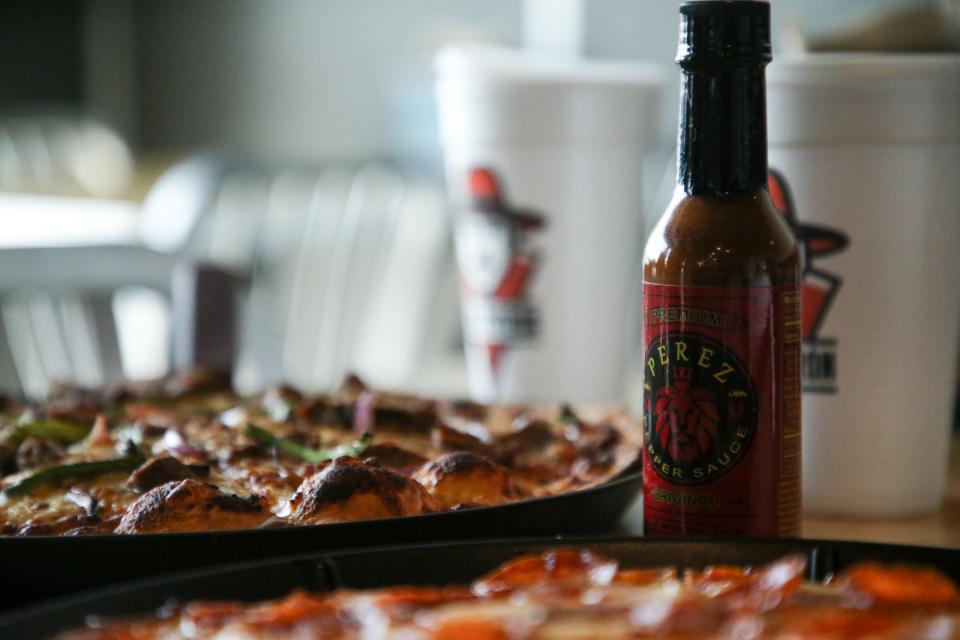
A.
pixel 311 78
pixel 648 30
pixel 345 79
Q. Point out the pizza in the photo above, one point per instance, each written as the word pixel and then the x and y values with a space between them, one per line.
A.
pixel 188 454
pixel 576 594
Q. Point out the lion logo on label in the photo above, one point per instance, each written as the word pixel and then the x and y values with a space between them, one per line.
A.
pixel 700 408
pixel 686 418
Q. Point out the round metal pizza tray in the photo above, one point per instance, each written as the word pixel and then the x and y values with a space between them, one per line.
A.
pixel 41 567
pixel 440 564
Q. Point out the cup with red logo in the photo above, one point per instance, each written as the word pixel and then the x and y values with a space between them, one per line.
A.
pixel 544 163
pixel 865 154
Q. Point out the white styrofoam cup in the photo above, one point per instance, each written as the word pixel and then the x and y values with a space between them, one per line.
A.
pixel 543 161
pixel 868 148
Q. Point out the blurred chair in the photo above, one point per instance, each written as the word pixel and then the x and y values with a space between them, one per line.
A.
pixel 339 268
pixel 56 312
pixel 63 154
pixel 349 269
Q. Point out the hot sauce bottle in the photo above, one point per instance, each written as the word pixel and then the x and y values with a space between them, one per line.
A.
pixel 721 302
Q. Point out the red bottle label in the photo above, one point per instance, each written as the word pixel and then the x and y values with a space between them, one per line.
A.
pixel 721 410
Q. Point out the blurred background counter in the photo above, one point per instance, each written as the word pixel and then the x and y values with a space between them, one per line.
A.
pixel 294 144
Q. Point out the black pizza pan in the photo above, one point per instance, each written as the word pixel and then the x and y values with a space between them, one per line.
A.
pixel 441 564
pixel 35 568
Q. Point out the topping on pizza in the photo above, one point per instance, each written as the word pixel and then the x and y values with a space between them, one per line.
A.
pixel 187 454
pixel 580 595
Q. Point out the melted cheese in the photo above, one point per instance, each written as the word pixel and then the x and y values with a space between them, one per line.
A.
pixel 191 431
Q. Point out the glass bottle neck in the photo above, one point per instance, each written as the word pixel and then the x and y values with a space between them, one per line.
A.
pixel 722 145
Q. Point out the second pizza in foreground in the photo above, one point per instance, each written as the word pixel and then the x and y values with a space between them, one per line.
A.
pixel 577 594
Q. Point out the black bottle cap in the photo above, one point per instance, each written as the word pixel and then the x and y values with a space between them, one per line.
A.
pixel 724 33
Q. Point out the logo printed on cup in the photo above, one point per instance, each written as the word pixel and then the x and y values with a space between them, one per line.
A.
pixel 818 354
pixel 498 262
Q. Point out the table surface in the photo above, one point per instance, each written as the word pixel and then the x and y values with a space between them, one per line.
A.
pixel 939 530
